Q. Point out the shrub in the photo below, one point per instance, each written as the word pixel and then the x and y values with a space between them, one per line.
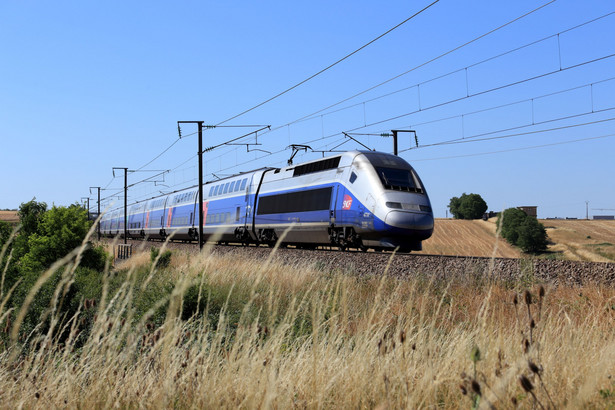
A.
pixel 523 231
pixel 532 236
pixel 55 234
pixel 510 220
pixel 5 232
pixel 165 258
pixel 468 206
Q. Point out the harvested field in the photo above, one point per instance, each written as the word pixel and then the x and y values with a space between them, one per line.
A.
pixel 575 240
pixel 467 238
pixel 582 240
pixel 9 216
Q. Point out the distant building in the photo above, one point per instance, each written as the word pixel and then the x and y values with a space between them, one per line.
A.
pixel 529 210
pixel 605 217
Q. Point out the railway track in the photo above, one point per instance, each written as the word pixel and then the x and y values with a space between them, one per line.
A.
pixel 438 267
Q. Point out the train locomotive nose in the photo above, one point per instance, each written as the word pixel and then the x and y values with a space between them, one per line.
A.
pixel 420 223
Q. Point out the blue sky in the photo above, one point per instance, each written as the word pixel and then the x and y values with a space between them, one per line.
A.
pixel 87 86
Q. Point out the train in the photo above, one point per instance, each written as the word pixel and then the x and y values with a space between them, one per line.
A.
pixel 357 199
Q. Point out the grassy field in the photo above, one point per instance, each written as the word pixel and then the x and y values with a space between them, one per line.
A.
pixel 276 336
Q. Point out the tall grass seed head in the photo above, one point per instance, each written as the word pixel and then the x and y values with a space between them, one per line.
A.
pixel 526 384
pixel 528 297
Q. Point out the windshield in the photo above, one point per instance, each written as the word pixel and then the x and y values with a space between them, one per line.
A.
pixel 399 179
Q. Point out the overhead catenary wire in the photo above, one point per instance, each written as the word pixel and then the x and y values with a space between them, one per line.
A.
pixel 422 64
pixel 462 69
pixel 515 149
pixel 380 84
pixel 474 64
pixel 329 66
pixel 278 152
pixel 472 140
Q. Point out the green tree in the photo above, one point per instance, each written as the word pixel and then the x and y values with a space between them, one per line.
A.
pixel 30 214
pixel 468 206
pixel 61 230
pixel 510 220
pixel 532 236
pixel 5 232
pixel 522 230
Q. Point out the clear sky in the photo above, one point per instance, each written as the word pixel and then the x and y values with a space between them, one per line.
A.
pixel 87 86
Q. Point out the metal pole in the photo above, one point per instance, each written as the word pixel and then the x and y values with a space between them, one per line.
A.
pixel 125 202
pixel 395 150
pixel 98 217
pixel 125 206
pixel 98 214
pixel 394 141
pixel 200 123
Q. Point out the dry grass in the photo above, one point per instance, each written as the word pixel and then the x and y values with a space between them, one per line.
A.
pixel 580 240
pixel 307 339
pixel 586 240
pixel 9 216
pixel 467 238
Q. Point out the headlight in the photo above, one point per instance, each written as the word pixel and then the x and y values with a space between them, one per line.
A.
pixel 408 207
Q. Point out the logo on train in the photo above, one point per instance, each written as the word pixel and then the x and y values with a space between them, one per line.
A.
pixel 347 202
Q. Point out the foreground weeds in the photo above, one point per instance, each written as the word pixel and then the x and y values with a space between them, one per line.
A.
pixel 215 331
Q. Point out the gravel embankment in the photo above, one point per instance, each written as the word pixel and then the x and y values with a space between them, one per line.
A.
pixel 455 268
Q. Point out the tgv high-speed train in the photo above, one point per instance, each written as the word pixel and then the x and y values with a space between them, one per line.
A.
pixel 359 199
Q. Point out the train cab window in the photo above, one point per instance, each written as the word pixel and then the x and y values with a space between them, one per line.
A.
pixel 399 179
pixel 243 183
pixel 225 188
pixel 353 177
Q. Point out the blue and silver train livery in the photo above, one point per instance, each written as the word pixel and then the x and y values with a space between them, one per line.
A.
pixel 358 199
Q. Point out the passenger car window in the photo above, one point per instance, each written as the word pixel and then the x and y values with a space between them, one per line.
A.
pixel 225 188
pixel 243 183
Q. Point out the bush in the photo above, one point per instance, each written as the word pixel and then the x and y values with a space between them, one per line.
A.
pixel 523 231
pixel 468 206
pixel 532 236
pixel 510 220
pixel 60 230
pixel 165 258
pixel 5 232
pixel 49 236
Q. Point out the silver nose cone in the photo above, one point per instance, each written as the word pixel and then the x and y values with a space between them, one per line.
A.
pixel 410 220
